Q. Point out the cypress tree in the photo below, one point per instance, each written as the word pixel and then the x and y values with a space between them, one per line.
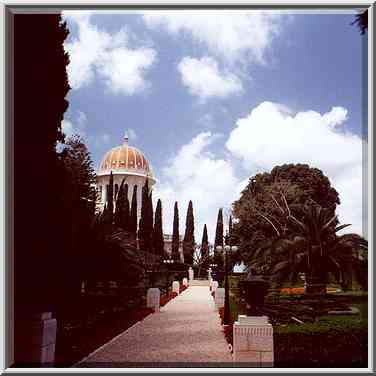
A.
pixel 175 235
pixel 126 213
pixel 146 221
pixel 40 85
pixel 205 248
pixel 106 216
pixel 229 239
pixel 150 221
pixel 158 241
pixel 189 237
pixel 121 217
pixel 110 196
pixel 133 216
pixel 218 239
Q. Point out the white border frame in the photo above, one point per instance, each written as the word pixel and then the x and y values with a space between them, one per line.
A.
pixel 76 4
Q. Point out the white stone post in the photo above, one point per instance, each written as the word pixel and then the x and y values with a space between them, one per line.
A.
pixel 185 282
pixel 190 274
pixel 253 341
pixel 153 298
pixel 210 283
pixel 38 340
pixel 219 297
pixel 175 287
pixel 214 286
pixel 209 273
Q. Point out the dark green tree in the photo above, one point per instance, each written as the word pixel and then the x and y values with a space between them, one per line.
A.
pixel 150 216
pixel 218 257
pixel 228 237
pixel 40 86
pixel 121 217
pixel 315 250
pixel 361 20
pixel 205 249
pixel 261 211
pixel 189 237
pixel 78 211
pixel 158 240
pixel 110 196
pixel 133 216
pixel 175 235
pixel 145 230
pixel 126 216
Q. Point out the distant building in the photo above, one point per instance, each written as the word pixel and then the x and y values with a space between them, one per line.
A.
pixel 125 162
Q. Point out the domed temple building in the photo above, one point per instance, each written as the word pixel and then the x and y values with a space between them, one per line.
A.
pixel 125 162
pixel 129 163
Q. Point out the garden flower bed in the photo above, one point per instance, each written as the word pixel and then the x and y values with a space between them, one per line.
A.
pixel 182 288
pixel 171 295
pixel 166 298
pixel 227 329
pixel 300 290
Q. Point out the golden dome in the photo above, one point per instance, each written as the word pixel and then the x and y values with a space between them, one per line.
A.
pixel 125 159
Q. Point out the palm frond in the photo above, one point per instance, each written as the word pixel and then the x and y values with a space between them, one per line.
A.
pixel 339 228
pixel 329 222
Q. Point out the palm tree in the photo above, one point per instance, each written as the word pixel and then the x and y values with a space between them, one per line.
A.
pixel 315 249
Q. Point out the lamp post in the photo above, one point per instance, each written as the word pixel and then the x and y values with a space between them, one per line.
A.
pixel 226 313
pixel 168 261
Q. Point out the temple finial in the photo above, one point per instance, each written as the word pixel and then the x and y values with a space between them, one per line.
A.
pixel 126 138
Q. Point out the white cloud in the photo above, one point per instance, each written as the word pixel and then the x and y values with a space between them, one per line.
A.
pixel 196 174
pixel 67 128
pixel 124 69
pixel 335 117
pixel 232 36
pixel 96 52
pixel 203 78
pixel 272 135
pixel 77 126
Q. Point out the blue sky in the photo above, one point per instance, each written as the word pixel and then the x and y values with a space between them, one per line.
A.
pixel 211 99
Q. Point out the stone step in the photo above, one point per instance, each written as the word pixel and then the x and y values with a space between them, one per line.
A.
pixel 199 282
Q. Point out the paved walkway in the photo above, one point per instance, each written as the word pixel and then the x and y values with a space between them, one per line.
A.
pixel 186 330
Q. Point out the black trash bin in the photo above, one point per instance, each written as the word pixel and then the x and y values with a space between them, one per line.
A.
pixel 254 290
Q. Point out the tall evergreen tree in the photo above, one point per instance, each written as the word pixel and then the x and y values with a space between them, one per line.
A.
pixel 229 235
pixel 158 240
pixel 133 216
pixel 150 219
pixel 80 194
pixel 146 221
pixel 121 217
pixel 189 237
pixel 218 259
pixel 110 195
pixel 39 87
pixel 126 215
pixel 175 235
pixel 205 248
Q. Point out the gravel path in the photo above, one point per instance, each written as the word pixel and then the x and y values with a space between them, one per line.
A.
pixel 186 330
